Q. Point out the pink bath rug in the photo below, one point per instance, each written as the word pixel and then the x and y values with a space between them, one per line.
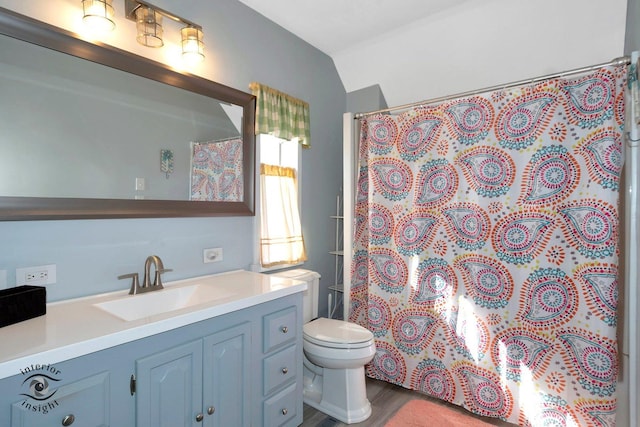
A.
pixel 422 413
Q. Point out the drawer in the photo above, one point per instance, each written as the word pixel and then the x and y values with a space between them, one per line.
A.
pixel 87 401
pixel 279 368
pixel 281 408
pixel 279 328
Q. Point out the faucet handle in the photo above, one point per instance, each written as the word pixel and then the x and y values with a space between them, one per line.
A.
pixel 135 282
pixel 157 281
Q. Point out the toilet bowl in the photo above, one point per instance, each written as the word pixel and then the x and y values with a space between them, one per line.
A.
pixel 335 353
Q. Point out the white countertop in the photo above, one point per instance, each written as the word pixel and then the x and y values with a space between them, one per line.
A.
pixel 74 328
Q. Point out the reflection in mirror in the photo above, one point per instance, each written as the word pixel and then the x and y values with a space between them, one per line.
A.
pixel 81 139
pixel 79 129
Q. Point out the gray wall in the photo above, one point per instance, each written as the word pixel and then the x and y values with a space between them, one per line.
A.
pixel 632 33
pixel 366 99
pixel 245 47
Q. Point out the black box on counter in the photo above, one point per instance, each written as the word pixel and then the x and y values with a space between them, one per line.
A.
pixel 22 303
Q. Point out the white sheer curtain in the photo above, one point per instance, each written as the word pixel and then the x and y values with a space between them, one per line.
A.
pixel 281 241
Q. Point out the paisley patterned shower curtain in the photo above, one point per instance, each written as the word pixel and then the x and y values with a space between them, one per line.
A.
pixel 216 171
pixel 486 249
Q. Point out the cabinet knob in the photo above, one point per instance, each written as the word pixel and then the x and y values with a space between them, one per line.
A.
pixel 68 420
pixel 285 329
pixel 211 410
pixel 199 417
pixel 285 411
pixel 285 371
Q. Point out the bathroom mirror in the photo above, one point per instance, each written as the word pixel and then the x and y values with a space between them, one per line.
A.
pixel 91 131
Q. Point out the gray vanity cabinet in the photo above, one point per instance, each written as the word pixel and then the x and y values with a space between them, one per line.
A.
pixel 82 403
pixel 169 387
pixel 226 380
pixel 282 380
pixel 200 383
pixel 243 368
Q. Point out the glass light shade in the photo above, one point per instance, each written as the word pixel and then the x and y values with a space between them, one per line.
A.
pixel 149 27
pixel 98 15
pixel 192 45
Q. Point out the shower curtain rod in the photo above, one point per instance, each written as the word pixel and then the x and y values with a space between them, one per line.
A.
pixel 623 60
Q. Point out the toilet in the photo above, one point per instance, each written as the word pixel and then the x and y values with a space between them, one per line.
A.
pixel 335 352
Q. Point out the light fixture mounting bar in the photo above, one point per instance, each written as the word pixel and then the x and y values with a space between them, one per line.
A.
pixel 130 7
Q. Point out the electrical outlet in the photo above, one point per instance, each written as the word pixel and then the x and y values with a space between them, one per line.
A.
pixel 212 255
pixel 40 275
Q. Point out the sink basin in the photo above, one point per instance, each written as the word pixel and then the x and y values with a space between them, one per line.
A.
pixel 134 307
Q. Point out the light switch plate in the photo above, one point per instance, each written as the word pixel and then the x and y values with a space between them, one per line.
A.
pixel 140 184
pixel 212 255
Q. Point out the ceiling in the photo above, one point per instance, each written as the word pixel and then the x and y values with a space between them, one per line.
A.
pixel 333 26
pixel 421 49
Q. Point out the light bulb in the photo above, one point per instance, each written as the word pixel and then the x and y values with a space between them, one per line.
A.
pixel 98 15
pixel 149 26
pixel 192 45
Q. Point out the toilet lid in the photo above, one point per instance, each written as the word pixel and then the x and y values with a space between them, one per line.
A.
pixel 336 333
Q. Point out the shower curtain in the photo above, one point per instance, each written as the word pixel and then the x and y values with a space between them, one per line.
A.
pixel 485 253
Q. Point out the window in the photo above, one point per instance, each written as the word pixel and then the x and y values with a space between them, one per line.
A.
pixel 282 126
pixel 280 242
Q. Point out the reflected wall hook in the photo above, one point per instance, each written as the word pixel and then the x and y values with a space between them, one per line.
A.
pixel 166 162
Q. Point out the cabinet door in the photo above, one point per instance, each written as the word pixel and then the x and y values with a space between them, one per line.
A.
pixel 227 387
pixel 82 403
pixel 169 387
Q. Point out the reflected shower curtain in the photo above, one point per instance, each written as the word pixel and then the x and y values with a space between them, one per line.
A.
pixel 485 249
pixel 216 171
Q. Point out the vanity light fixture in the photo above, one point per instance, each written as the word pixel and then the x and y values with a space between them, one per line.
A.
pixel 192 44
pixel 98 14
pixel 149 29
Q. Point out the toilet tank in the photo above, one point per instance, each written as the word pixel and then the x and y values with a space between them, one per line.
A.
pixel 310 296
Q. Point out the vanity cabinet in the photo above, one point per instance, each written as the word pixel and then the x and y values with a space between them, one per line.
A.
pixel 226 380
pixel 242 368
pixel 168 387
pixel 203 382
pixel 281 354
pixel 82 403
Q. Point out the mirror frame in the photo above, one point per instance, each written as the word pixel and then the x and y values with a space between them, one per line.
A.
pixel 42 34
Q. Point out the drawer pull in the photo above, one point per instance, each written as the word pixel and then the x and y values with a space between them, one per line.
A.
pixel 285 411
pixel 285 329
pixel 285 371
pixel 199 417
pixel 211 410
pixel 68 420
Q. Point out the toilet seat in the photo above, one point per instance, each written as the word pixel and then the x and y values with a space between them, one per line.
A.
pixel 335 333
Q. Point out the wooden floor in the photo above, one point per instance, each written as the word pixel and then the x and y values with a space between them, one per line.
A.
pixel 385 400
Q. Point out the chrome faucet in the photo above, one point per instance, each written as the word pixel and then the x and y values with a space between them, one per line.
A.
pixel 147 286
